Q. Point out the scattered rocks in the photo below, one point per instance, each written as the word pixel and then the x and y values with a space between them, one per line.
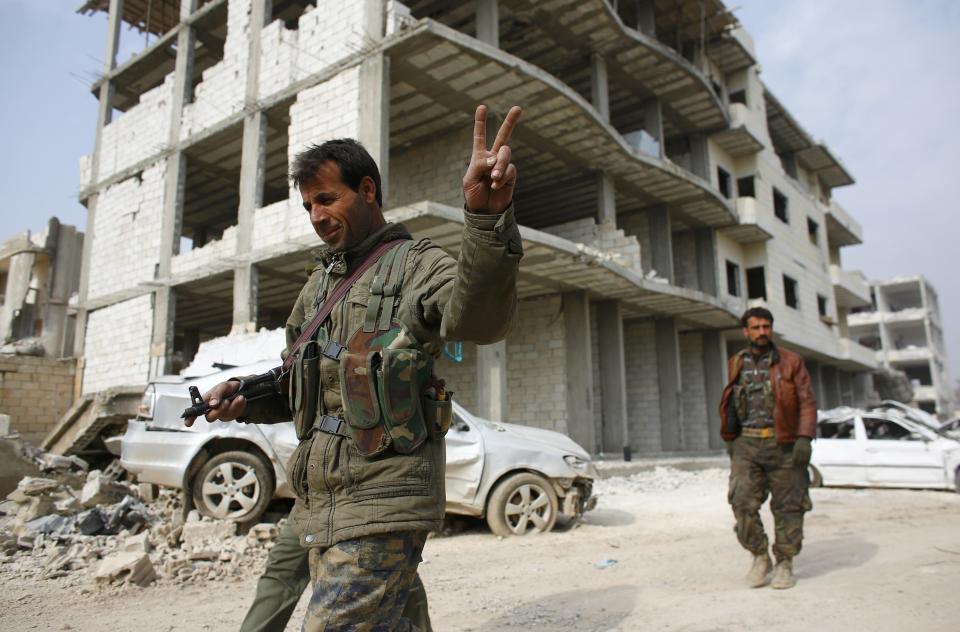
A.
pixel 126 567
pixel 99 490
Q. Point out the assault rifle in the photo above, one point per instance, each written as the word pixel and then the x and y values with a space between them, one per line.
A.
pixel 251 387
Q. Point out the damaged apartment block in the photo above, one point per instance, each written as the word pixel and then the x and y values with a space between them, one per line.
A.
pixel 664 189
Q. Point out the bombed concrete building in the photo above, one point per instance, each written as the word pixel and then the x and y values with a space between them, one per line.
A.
pixel 902 324
pixel 663 189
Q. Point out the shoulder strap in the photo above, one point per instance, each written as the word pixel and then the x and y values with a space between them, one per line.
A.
pixel 342 288
pixel 385 288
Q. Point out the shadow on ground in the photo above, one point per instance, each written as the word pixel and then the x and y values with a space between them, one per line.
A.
pixel 570 610
pixel 608 518
pixel 823 557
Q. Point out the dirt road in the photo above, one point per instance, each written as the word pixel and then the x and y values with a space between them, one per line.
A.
pixel 658 554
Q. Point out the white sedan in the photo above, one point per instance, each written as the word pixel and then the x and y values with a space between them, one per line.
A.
pixel 521 479
pixel 883 449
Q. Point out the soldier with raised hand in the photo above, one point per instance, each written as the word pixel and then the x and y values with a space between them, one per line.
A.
pixel 768 417
pixel 369 470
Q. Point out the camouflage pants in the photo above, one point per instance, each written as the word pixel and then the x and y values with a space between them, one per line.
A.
pixel 759 467
pixel 363 584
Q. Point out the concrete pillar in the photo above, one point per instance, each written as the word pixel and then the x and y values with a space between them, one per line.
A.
pixel 613 375
pixel 488 22
pixel 19 274
pixel 64 277
pixel 707 274
pixel 661 242
pixel 646 17
pixel 374 127
pixel 600 86
pixel 164 304
pixel 671 384
pixel 653 122
pixel 606 200
pixel 699 156
pixel 492 381
pixel 581 425
pixel 246 294
pixel 816 383
pixel 831 386
pixel 715 379
pixel 104 114
pixel 252 163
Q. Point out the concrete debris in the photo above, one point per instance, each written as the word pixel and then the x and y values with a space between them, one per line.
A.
pixel 49 524
pixel 139 539
pixel 24 346
pixel 31 486
pixel 99 490
pixel 128 567
pixel 197 532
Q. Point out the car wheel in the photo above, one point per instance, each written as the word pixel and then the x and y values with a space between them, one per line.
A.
pixel 815 479
pixel 521 504
pixel 234 486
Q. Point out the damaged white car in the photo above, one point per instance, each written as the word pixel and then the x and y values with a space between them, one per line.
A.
pixel 882 449
pixel 520 479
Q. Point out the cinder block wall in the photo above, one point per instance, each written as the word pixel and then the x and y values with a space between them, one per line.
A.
pixel 35 392
pixel 536 368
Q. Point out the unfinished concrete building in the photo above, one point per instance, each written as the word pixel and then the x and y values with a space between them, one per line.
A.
pixel 902 324
pixel 662 190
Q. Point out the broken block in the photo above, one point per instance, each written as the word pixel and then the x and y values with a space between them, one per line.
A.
pixel 196 533
pixel 99 490
pixel 264 531
pixel 127 567
pixel 139 543
pixel 36 486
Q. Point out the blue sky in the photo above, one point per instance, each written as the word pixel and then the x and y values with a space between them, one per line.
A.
pixel 876 79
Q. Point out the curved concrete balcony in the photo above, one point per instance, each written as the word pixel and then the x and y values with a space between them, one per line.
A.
pixel 558 36
pixel 750 229
pixel 743 137
pixel 850 288
pixel 552 264
pixel 857 356
pixel 439 75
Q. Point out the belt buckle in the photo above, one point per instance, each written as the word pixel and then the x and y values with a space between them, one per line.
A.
pixel 330 425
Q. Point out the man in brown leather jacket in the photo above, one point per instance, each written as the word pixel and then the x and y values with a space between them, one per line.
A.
pixel 768 416
pixel 369 469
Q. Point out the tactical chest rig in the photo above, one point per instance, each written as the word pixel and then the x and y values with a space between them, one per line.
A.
pixel 383 380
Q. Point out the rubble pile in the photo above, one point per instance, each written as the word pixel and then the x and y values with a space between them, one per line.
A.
pixel 659 479
pixel 91 531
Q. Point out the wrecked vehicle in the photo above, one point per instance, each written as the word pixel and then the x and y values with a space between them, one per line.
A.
pixel 520 479
pixel 883 449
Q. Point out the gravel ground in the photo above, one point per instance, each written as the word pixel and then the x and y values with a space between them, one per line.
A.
pixel 658 553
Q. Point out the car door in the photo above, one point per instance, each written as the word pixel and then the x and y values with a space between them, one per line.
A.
pixel 838 452
pixel 901 454
pixel 464 445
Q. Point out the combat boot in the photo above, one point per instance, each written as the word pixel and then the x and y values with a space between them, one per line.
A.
pixel 783 574
pixel 762 564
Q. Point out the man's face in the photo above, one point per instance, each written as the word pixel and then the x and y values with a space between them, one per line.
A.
pixel 759 332
pixel 340 216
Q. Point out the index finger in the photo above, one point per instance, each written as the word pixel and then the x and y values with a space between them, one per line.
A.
pixel 480 130
pixel 506 130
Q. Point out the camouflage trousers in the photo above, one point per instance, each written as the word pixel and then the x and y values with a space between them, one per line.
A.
pixel 759 467
pixel 286 576
pixel 362 585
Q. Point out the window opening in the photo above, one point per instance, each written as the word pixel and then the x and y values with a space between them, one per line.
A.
pixel 780 207
pixel 813 231
pixel 723 182
pixel 733 278
pixel 790 294
pixel 745 187
pixel 756 283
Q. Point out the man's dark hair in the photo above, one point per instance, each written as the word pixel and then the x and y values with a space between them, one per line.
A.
pixel 756 312
pixel 348 154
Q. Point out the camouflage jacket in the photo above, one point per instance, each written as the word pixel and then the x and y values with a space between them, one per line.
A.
pixel 794 404
pixel 340 493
